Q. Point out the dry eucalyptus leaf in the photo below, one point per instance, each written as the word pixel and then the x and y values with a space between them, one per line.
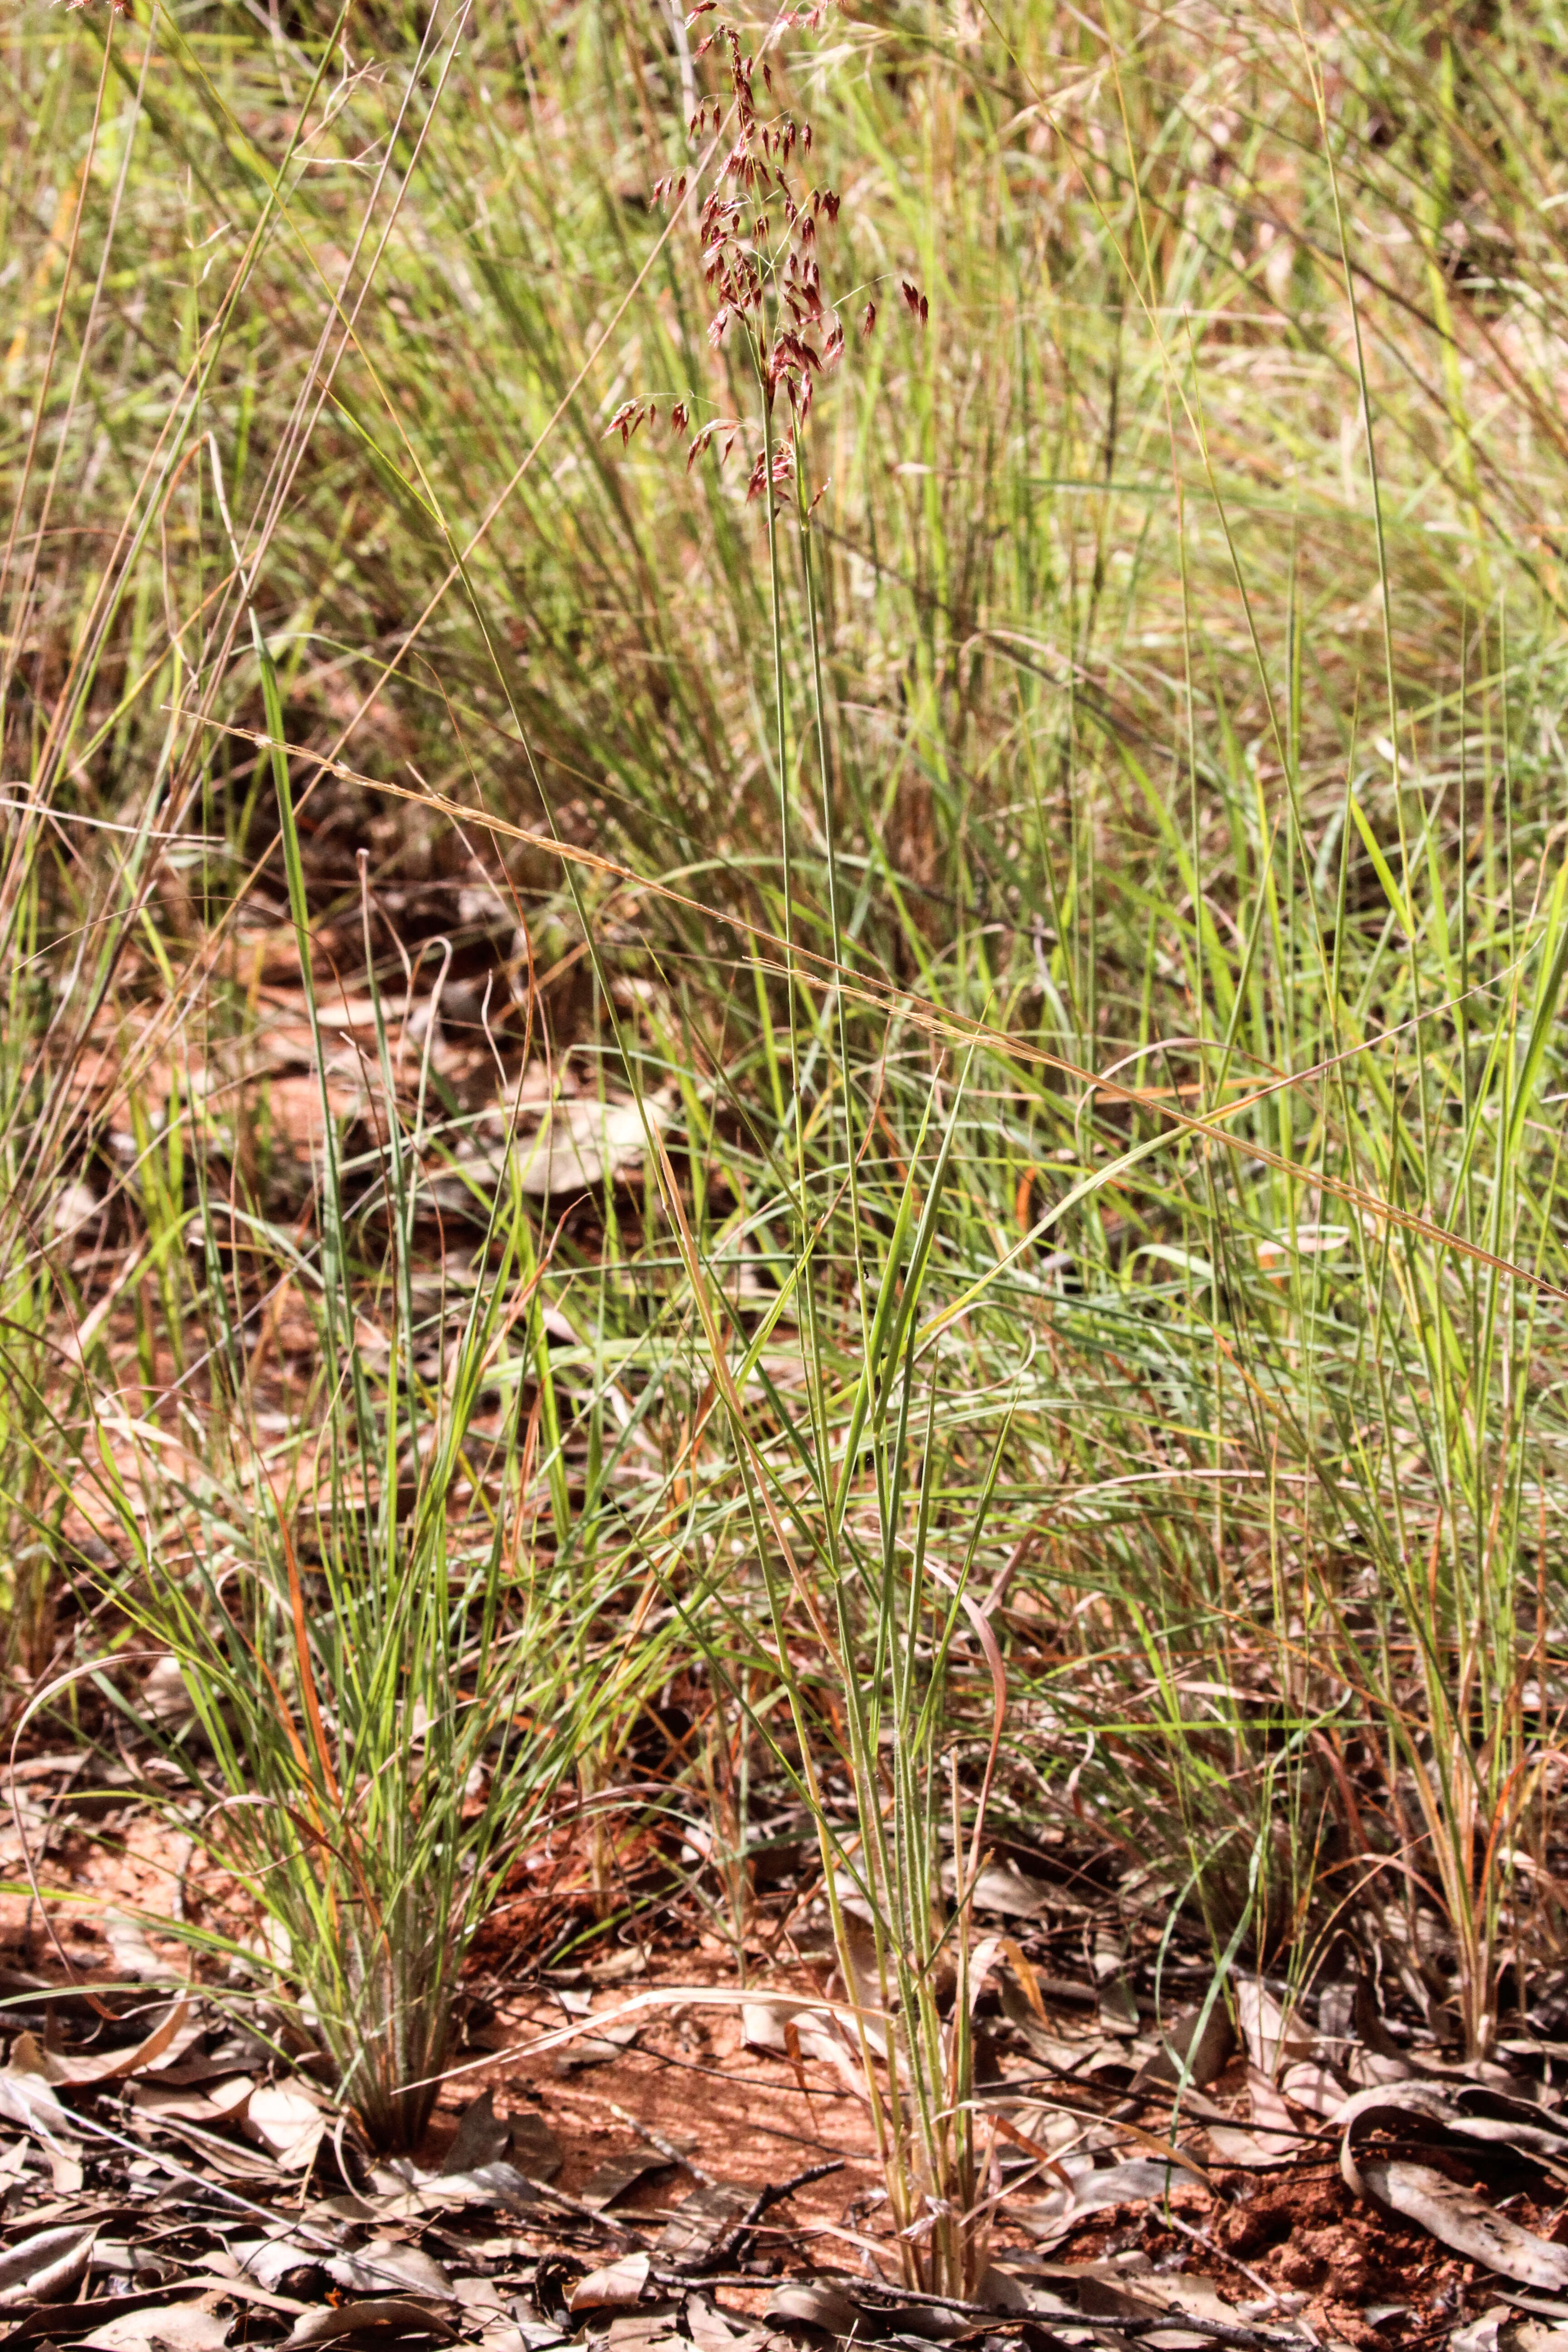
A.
pixel 493 2184
pixel 26 2095
pixel 617 2288
pixel 1522 2125
pixel 177 2030
pixel 762 2024
pixel 390 2315
pixel 1188 2292
pixel 387 2263
pixel 534 2334
pixel 1001 2290
pixel 1368 2069
pixel 1481 2334
pixel 711 2332
pixel 271 2261
pixel 814 2303
pixel 1271 2118
pixel 164 1698
pixel 616 2175
pixel 645 2331
pixel 1142 2177
pixel 483 2295
pixel 1257 2151
pixel 165 2327
pixel 482 2137
pixel 1268 2033
pixel 595 2049
pixel 47 2265
pixel 1118 2008
pixel 1052 2048
pixel 287 2120
pixel 535 2150
pixel 1314 2087
pixel 1458 2218
pixel 1003 1888
pixel 579 1143
pixel 1198 2045
pixel 222 2101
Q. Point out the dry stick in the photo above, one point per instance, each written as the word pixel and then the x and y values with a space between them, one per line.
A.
pixel 771 2193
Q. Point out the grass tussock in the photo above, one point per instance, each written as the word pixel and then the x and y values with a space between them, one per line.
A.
pixel 894 1019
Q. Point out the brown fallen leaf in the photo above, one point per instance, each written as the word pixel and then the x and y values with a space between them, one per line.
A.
pixel 1469 2110
pixel 616 2175
pixel 711 2332
pixel 388 2315
pixel 645 2331
pixel 1456 2216
pixel 132 1955
pixel 1195 2044
pixel 224 2157
pixel 1002 2290
pixel 482 2137
pixel 1316 2088
pixel 164 2327
pixel 579 1143
pixel 762 2024
pixel 387 2263
pixel 617 2288
pixel 814 2303
pixel 535 2150
pixel 1273 2137
pixel 45 2265
pixel 1271 2033
pixel 176 2031
pixel 287 2120
pixel 27 2098
pixel 1140 2180
pixel 271 2261
pixel 1003 1888
pixel 1191 2294
pixel 222 2101
pixel 595 2050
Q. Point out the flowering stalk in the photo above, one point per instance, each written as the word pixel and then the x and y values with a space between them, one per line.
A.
pixel 761 227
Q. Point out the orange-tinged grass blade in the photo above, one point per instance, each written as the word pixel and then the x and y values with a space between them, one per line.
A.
pixel 307 1673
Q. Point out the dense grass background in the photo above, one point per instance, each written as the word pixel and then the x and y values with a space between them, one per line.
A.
pixel 1191 844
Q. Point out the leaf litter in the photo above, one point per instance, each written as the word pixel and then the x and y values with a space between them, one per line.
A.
pixel 1218 2174
pixel 1316 2169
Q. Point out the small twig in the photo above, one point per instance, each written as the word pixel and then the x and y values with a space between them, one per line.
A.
pixel 1221 2331
pixel 581 2212
pixel 771 2193
pixel 1253 2278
